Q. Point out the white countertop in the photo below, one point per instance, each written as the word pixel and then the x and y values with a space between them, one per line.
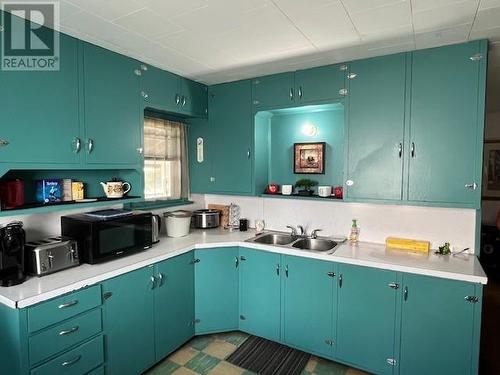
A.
pixel 38 289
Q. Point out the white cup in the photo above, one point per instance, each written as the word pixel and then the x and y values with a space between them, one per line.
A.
pixel 324 191
pixel 286 189
pixel 259 225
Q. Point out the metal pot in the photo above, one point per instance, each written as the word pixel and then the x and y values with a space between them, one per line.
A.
pixel 206 218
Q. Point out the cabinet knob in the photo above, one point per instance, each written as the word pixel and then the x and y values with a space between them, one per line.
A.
pixel 4 142
pixel 77 144
pixel 144 95
pixel 144 67
pixel 140 150
pixel 177 99
pixel 212 179
pixel 300 92
pixel 351 75
pixel 291 94
pixel 343 67
pixel 476 57
pixel 255 102
pixel 184 100
pixel 343 92
pixel 349 182
pixel 137 72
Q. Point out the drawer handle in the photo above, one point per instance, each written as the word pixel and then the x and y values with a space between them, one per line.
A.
pixel 69 304
pixel 69 331
pixel 71 362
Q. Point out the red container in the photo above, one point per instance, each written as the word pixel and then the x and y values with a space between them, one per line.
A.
pixel 338 192
pixel 272 189
pixel 11 194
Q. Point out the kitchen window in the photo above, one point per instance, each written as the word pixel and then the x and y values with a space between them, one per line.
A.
pixel 166 174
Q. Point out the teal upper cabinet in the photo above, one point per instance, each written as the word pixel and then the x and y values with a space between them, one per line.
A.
pixel 309 296
pixel 193 98
pixel 260 292
pixel 168 92
pixel 273 91
pixel 325 83
pixel 40 111
pixel 129 322
pixel 366 318
pixel 232 133
pixel 376 115
pixel 446 124
pixel 216 289
pixel 113 118
pixel 159 88
pixel 174 304
pixel 437 326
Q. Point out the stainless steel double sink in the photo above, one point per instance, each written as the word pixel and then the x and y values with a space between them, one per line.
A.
pixel 295 242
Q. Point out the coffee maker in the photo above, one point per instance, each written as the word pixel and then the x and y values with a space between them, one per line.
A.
pixel 12 240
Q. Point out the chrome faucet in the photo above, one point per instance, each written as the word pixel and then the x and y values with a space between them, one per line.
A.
pixel 314 233
pixel 303 233
pixel 294 231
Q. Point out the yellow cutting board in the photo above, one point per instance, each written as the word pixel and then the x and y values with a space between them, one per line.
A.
pixel 407 244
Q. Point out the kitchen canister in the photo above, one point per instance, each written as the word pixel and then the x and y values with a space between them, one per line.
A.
pixel 177 223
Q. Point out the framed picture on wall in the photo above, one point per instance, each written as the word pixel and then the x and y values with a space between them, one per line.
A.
pixel 309 158
pixel 491 169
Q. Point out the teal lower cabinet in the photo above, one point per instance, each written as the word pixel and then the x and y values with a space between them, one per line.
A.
pixel 309 298
pixel 439 326
pixel 216 289
pixel 366 322
pixel 174 304
pixel 260 293
pixel 129 322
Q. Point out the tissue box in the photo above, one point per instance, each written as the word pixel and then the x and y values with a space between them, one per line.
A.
pixel 48 191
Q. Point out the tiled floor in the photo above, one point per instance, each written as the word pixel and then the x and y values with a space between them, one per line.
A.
pixel 205 355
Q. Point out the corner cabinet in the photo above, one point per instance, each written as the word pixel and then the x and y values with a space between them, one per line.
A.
pixel 216 290
pixel 416 124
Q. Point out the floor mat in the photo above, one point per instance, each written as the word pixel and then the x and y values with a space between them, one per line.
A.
pixel 266 357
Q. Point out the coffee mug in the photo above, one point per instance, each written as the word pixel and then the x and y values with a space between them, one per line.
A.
pixel 324 191
pixel 286 189
pixel 259 225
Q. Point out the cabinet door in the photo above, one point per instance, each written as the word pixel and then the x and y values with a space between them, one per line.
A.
pixel 174 304
pixel 445 124
pixel 40 118
pixel 200 162
pixel 376 115
pixel 436 326
pixel 309 297
pixel 216 290
pixel 366 317
pixel 273 91
pixel 193 98
pixel 320 84
pixel 113 118
pixel 129 322
pixel 260 293
pixel 160 89
pixel 231 125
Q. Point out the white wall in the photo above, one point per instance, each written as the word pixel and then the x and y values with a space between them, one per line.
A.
pixel 376 221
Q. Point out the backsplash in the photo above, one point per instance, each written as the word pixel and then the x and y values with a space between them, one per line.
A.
pixel 38 226
pixel 376 221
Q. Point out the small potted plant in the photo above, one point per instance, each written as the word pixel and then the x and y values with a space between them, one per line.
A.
pixel 305 186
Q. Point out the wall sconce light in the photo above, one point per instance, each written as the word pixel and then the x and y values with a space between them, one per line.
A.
pixel 309 129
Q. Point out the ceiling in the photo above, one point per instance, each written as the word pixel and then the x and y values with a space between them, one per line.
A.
pixel 215 41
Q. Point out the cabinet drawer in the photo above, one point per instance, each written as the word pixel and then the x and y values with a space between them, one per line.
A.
pixel 62 336
pixel 78 361
pixel 61 308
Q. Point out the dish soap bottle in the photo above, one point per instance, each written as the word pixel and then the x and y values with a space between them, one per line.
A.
pixel 354 234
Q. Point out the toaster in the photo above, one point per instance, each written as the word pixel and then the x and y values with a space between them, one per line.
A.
pixel 50 255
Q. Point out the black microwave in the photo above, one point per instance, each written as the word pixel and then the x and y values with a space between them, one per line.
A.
pixel 103 237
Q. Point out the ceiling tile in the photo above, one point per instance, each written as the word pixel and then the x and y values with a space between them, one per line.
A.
pixel 354 6
pixel 452 35
pixel 382 18
pixel 147 23
pixel 487 19
pixel 492 34
pixel 172 9
pixel 109 9
pixel 92 25
pixel 421 5
pixel 485 4
pixel 433 19
pixel 325 23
